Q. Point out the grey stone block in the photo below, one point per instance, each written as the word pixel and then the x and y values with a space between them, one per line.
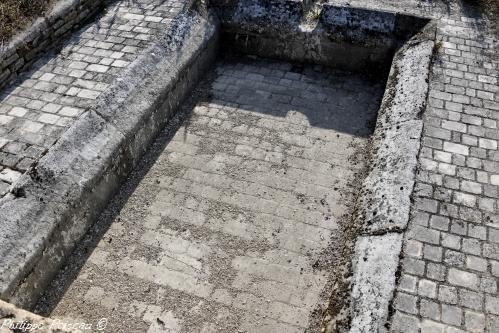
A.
pixel 376 261
pixel 47 30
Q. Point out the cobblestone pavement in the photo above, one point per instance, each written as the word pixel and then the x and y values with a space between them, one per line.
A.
pixel 450 266
pixel 46 100
pixel 236 224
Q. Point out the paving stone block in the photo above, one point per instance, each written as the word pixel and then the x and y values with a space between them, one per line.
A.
pixel 492 304
pixel 463 278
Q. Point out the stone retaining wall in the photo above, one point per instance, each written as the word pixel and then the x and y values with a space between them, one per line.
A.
pixel 27 46
pixel 353 39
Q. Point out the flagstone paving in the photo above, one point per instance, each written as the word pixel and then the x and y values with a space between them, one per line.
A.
pixel 44 102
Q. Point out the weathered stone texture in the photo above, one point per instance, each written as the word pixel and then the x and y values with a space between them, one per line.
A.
pixel 448 278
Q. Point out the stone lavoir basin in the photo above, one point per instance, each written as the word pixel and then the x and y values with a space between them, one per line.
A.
pixel 237 223
pixel 271 164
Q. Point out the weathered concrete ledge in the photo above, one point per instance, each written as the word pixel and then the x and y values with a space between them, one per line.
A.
pixel 384 203
pixel 27 46
pixel 385 197
pixel 52 206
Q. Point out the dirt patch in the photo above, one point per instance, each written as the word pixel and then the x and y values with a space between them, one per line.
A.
pixel 17 14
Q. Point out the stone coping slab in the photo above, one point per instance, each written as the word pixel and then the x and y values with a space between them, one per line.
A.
pixel 385 198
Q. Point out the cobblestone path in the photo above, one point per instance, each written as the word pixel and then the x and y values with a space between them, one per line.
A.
pixel 45 101
pixel 229 230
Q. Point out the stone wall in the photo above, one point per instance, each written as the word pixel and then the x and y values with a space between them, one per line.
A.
pixel 352 39
pixel 27 46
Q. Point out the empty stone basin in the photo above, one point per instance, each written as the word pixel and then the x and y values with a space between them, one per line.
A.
pixel 240 217
pixel 238 223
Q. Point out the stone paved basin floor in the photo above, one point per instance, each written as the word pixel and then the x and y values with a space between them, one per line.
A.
pixel 233 220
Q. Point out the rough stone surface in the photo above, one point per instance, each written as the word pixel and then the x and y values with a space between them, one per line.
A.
pixel 384 201
pixel 228 227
